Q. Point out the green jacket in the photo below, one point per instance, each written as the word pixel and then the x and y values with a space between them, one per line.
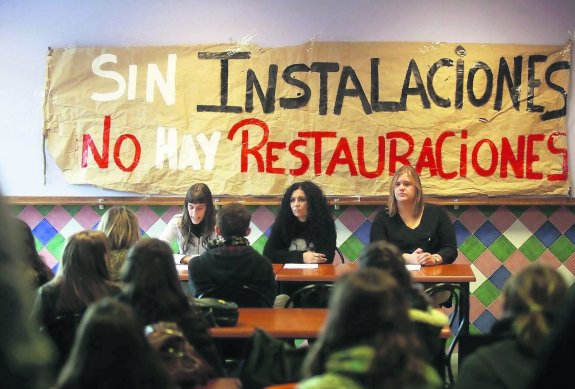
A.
pixel 343 365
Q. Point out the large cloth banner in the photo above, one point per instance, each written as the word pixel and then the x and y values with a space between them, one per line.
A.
pixel 474 119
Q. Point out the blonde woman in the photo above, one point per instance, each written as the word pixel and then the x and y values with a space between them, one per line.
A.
pixel 121 226
pixel 423 232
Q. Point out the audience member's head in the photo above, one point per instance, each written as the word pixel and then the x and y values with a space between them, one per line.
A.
pixel 532 298
pixel 120 224
pixel 26 356
pixel 36 269
pixel 233 220
pixel 152 283
pixel 111 351
pixel 386 256
pixel 368 309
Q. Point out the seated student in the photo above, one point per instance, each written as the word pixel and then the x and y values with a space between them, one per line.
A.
pixel 368 341
pixel 428 321
pixel 112 352
pixel 82 278
pixel 36 269
pixel 121 226
pixel 194 227
pixel 231 261
pixel 152 287
pixel 532 299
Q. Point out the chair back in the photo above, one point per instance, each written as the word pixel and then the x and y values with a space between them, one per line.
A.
pixel 310 296
pixel 245 296
pixel 340 254
pixel 62 331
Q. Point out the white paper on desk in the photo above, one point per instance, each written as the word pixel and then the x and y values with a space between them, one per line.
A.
pixel 301 266
pixel 178 257
pixel 181 266
pixel 411 267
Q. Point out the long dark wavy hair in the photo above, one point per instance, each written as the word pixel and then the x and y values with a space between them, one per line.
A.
pixel 198 194
pixel 368 308
pixel 111 351
pixel 152 284
pixel 83 272
pixel 319 219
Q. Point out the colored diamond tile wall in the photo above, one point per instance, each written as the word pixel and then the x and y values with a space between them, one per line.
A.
pixel 496 241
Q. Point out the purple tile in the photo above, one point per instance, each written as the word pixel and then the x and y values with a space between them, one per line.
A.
pixel 372 216
pixel 562 219
pixel 48 258
pixel 169 214
pixel 472 218
pixel 31 216
pixel 146 217
pixel 87 217
pixel 58 217
pixel 44 231
pixel 487 233
pixel 502 218
pixel 547 258
pixel 547 234
pixel 352 218
pixel 263 218
pixel 533 218
pixel 487 263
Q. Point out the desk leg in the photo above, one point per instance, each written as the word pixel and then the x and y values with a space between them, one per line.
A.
pixel 464 308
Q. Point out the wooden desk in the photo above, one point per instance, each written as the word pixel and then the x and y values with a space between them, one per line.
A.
pixel 300 323
pixel 183 271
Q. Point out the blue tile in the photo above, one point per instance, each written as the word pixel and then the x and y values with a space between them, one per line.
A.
pixel 362 233
pixel 44 231
pixel 461 232
pixel 55 268
pixel 484 322
pixel 570 234
pixel 499 276
pixel 547 234
pixel 487 233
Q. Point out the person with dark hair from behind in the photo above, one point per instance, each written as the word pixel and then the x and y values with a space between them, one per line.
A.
pixel 230 260
pixel 152 287
pixel 194 227
pixel 368 341
pixel 304 229
pixel 26 355
pixel 82 278
pixel 555 358
pixel 36 269
pixel 428 321
pixel 120 224
pixel 112 352
pixel 532 299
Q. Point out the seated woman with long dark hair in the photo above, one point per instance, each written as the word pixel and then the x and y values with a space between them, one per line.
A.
pixel 112 352
pixel 153 289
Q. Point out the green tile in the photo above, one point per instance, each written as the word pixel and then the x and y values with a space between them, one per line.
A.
pixel 472 248
pixel 159 209
pixel 502 248
pixel 72 209
pixel 457 212
pixel 562 248
pixel 259 244
pixel 16 209
pixel 487 293
pixel 548 210
pixel 474 330
pixel 44 209
pixel 518 210
pixel 367 210
pixel 56 246
pixel 174 246
pixel 252 208
pixel 274 209
pixel 133 208
pixel 532 248
pixel 571 209
pixel 487 210
pixel 99 211
pixel 338 212
pixel 38 244
pixel 352 247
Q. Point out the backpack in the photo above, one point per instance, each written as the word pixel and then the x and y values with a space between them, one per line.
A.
pixel 183 363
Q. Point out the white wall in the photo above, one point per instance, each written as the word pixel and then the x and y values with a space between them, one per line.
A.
pixel 29 27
